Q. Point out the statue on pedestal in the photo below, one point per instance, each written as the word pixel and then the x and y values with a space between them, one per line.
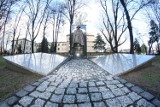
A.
pixel 78 42
pixel 78 37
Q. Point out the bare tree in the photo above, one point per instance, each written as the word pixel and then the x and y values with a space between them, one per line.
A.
pixel 113 25
pixel 72 7
pixel 45 23
pixel 80 18
pixel 153 11
pixel 129 25
pixel 5 11
pixel 44 44
pixel 26 35
pixel 17 44
pixel 4 29
pixel 125 4
pixel 57 17
pixel 16 25
pixel 8 38
pixel 37 11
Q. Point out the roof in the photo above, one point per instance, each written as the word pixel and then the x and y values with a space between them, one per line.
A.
pixel 22 39
pixel 87 34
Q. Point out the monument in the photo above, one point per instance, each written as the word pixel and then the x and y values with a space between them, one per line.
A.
pixel 79 46
pixel 44 64
pixel 121 63
pixel 39 63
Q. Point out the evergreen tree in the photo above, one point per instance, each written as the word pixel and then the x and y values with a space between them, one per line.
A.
pixel 137 47
pixel 19 49
pixel 99 45
pixel 52 48
pixel 144 48
pixel 43 46
pixel 153 34
pixel 39 48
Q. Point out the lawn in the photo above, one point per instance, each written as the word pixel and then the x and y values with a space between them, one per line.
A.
pixel 12 81
pixel 147 77
pixel 158 59
pixel 2 62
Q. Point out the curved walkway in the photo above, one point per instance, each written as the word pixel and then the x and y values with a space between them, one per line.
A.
pixel 81 83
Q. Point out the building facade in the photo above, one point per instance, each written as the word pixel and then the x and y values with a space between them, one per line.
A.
pixel 25 46
pixel 90 43
pixel 64 47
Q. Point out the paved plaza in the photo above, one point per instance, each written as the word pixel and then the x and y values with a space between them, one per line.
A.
pixel 81 83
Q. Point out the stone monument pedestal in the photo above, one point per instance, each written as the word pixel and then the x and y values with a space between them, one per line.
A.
pixel 78 51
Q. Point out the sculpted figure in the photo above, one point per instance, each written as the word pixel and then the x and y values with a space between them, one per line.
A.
pixel 78 37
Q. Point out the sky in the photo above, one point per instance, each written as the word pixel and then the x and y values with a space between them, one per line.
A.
pixel 93 17
pixel 93 10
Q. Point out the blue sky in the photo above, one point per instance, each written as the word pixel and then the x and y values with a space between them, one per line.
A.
pixel 93 17
pixel 93 11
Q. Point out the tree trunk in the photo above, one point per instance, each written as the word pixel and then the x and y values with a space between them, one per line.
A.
pixel 53 33
pixel 70 38
pixel 7 42
pixel 56 31
pixel 24 48
pixel 112 48
pixel 150 47
pixel 25 39
pixel 3 37
pixel 32 43
pixel 129 26
pixel 13 44
pixel 4 30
